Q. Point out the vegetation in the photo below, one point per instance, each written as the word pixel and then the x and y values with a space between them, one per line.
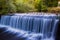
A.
pixel 3 7
pixel 54 9
pixel 43 5
pixel 13 6
pixel 51 3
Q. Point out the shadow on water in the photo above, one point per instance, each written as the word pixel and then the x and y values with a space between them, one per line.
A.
pixel 58 32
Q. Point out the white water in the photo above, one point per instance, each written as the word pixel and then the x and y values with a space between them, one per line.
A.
pixel 45 25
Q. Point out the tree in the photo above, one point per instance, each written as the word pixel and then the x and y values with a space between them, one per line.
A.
pixel 3 7
pixel 51 3
pixel 41 6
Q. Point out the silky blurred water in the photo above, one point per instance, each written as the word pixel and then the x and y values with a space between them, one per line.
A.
pixel 41 27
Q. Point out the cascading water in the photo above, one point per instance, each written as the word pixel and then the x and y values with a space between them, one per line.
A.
pixel 43 25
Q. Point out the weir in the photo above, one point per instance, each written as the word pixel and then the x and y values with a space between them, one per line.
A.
pixel 32 27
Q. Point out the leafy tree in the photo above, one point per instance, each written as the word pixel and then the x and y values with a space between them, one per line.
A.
pixel 41 6
pixel 51 3
pixel 3 7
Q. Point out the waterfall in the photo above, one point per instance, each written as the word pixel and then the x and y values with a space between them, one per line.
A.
pixel 5 20
pixel 45 25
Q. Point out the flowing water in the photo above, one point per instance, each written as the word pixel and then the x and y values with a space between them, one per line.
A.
pixel 45 25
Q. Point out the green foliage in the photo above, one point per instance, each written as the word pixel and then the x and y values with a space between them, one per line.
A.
pixel 11 6
pixel 51 3
pixel 23 7
pixel 16 6
pixel 44 4
pixel 3 7
pixel 44 8
pixel 41 6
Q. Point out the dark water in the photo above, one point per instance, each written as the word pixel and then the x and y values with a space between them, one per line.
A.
pixel 44 26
